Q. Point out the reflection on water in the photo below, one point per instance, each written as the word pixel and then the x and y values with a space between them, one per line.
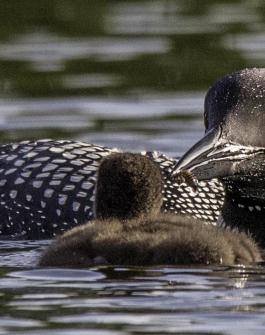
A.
pixel 251 45
pixel 153 122
pixel 114 59
pixel 127 300
pixel 130 74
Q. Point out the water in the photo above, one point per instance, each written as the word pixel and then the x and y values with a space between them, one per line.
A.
pixel 121 300
pixel 129 74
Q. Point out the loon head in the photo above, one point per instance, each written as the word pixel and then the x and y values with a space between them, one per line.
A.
pixel 128 186
pixel 234 141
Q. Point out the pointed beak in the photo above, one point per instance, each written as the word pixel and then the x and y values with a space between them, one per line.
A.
pixel 215 157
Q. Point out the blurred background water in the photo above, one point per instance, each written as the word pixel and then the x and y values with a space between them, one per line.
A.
pixel 129 74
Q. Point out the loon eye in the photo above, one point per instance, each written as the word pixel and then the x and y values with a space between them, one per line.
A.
pixel 205 118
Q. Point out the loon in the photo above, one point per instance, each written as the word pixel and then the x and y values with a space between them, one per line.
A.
pixel 131 230
pixel 233 149
pixel 48 187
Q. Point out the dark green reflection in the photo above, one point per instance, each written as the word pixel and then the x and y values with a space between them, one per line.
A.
pixel 109 49
pixel 192 60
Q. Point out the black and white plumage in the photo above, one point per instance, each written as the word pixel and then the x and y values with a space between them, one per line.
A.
pixel 47 187
pixel 233 148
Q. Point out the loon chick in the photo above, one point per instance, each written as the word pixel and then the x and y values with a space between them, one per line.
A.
pixel 123 190
pixel 131 231
pixel 233 148
pixel 47 187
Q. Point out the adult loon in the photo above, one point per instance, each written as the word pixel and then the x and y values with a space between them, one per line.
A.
pixel 129 229
pixel 233 148
pixel 47 187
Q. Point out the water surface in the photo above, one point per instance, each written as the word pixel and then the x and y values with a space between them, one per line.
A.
pixel 122 300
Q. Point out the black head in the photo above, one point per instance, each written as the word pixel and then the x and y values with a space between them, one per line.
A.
pixel 128 185
pixel 237 104
pixel 235 128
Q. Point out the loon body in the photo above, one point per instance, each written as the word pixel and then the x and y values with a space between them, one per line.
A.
pixel 47 187
pixel 131 230
pixel 233 148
